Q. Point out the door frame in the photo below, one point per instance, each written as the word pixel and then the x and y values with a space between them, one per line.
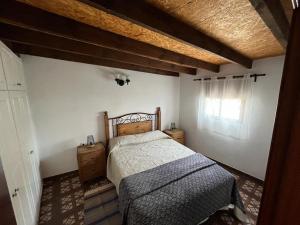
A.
pixel 281 196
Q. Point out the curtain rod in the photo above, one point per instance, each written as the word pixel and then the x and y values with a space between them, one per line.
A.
pixel 234 77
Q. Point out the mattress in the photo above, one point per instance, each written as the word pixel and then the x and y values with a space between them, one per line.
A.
pixel 133 154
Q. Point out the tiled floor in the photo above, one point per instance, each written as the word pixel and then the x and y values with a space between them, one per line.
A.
pixel 62 200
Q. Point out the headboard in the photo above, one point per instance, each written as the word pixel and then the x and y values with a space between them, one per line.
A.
pixel 131 123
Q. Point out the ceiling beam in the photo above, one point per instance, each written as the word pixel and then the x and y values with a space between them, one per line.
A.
pixel 56 54
pixel 8 44
pixel 35 38
pixel 272 13
pixel 22 15
pixel 150 17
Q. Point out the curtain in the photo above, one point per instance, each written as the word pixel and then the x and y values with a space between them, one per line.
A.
pixel 225 105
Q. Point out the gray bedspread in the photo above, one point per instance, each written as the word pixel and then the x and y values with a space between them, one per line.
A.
pixel 182 192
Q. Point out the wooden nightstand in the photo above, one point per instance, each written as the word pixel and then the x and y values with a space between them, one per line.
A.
pixel 91 161
pixel 176 134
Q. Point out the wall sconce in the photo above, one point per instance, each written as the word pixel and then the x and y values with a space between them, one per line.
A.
pixel 121 79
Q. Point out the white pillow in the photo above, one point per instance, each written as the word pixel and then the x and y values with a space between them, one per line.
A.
pixel 137 138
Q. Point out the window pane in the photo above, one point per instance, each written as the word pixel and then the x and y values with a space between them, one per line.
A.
pixel 231 109
pixel 212 107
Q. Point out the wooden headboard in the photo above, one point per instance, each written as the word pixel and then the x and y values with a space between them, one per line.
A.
pixel 131 123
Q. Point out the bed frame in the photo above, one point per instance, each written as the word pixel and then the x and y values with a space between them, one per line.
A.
pixel 131 123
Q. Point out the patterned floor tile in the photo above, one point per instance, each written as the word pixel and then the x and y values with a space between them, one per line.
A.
pixel 63 200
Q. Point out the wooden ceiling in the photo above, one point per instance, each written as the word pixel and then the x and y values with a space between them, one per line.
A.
pixel 232 22
pixel 168 35
pixel 92 16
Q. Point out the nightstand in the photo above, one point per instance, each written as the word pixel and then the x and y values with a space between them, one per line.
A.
pixel 176 134
pixel 91 161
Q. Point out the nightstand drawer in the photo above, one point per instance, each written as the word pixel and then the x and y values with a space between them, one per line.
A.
pixel 176 134
pixel 88 158
pixel 180 140
pixel 92 171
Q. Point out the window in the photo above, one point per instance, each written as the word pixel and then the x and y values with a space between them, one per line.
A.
pixel 224 106
pixel 223 109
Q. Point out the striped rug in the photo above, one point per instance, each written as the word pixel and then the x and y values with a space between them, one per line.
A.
pixel 101 206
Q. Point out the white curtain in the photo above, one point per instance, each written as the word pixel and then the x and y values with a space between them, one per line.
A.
pixel 225 106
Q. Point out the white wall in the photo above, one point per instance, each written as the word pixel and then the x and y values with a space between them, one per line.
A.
pixel 249 156
pixel 67 101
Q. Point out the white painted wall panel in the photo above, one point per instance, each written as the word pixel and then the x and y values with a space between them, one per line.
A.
pixel 250 155
pixel 67 100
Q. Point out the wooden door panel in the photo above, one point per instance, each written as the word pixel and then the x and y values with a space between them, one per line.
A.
pixel 22 118
pixel 281 197
pixel 6 209
pixel 13 70
pixel 9 67
pixel 13 164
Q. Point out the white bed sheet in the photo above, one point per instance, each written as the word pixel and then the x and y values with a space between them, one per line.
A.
pixel 132 154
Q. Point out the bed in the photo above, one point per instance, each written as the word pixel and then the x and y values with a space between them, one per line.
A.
pixel 160 181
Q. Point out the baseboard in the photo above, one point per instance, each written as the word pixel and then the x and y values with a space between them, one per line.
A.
pixel 222 164
pixel 59 175
pixel 239 172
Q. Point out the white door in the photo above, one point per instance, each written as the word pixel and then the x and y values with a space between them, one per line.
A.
pixel 13 70
pixel 13 164
pixel 22 117
pixel 20 195
pixel 2 77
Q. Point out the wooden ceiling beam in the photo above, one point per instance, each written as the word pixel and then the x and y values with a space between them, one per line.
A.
pixel 35 38
pixel 22 15
pixel 56 54
pixel 150 17
pixel 272 13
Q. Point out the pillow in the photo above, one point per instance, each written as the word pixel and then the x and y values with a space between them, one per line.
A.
pixel 137 138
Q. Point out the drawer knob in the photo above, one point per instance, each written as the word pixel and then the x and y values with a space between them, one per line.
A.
pixel 19 84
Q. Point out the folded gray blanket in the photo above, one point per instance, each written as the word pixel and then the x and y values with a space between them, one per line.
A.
pixel 185 191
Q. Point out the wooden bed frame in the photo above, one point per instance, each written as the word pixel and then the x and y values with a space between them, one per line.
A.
pixel 131 123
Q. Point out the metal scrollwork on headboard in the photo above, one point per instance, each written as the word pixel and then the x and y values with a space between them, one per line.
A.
pixel 133 118
pixel 138 118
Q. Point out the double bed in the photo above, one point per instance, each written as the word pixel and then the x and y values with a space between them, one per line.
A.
pixel 160 181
